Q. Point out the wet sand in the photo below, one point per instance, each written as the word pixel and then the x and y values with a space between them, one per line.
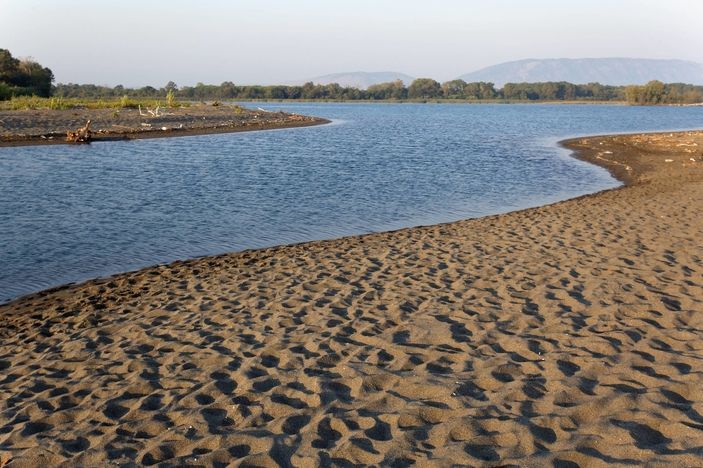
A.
pixel 566 335
pixel 44 126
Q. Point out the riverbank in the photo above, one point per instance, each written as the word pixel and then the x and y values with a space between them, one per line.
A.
pixel 568 335
pixel 49 126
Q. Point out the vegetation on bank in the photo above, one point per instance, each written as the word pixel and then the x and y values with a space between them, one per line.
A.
pixel 421 89
pixel 60 103
pixel 20 78
pixel 656 92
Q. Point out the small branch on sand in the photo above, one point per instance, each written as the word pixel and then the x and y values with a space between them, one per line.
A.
pixel 82 135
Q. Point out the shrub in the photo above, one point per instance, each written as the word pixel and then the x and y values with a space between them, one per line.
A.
pixel 170 98
pixel 5 91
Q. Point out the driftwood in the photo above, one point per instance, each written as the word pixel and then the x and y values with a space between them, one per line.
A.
pixel 151 112
pixel 82 135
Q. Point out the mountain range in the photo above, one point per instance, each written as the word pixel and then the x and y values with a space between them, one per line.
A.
pixel 607 71
pixel 610 71
pixel 361 80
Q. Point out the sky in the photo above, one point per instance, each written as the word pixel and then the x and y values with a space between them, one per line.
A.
pixel 151 42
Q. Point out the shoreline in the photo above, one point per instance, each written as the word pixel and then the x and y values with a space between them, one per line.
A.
pixel 582 148
pixel 591 155
pixel 579 152
pixel 617 174
pixel 621 172
pixel 564 334
pixel 59 139
pixel 20 128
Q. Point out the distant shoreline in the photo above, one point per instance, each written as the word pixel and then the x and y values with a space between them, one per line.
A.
pixel 654 92
pixel 432 101
pixel 462 101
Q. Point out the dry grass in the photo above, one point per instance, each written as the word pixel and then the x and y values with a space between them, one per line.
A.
pixel 58 103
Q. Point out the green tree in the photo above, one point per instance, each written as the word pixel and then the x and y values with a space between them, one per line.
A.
pixel 424 88
pixel 692 96
pixel 252 92
pixel 23 76
pixel 276 92
pixel 487 90
pixel 398 90
pixel 389 90
pixel 654 92
pixel 331 91
pixel 454 89
pixel 9 67
pixel 228 90
pixel 515 91
pixel 170 89
pixel 480 90
pixel 6 91
pixel 634 94
pixel 308 90
pixel 294 92
pixel 148 91
pixel 35 78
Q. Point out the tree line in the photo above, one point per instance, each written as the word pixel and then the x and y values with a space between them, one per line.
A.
pixel 421 89
pixel 23 77
pixel 27 77
pixel 656 92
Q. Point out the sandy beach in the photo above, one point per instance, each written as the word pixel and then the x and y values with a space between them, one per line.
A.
pixel 569 335
pixel 46 126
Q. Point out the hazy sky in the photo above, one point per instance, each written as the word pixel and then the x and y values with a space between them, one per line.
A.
pixel 135 43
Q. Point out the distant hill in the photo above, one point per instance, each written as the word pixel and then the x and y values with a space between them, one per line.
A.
pixel 361 80
pixel 610 71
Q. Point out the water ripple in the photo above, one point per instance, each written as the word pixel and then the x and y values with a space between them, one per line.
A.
pixel 69 213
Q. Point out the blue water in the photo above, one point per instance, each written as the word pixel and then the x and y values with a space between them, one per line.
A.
pixel 69 213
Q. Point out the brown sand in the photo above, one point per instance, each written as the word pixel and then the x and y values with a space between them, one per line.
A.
pixel 43 126
pixel 567 335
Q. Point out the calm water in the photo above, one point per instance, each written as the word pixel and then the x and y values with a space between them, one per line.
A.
pixel 68 213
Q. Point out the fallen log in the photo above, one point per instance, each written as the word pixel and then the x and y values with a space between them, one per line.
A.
pixel 82 135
